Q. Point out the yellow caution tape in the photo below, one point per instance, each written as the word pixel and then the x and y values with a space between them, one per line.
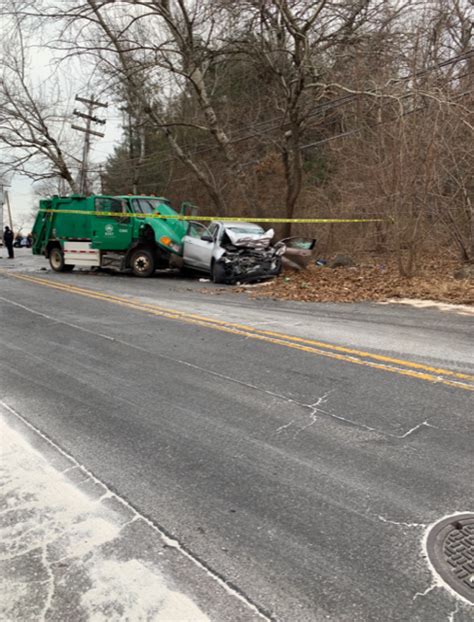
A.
pixel 208 218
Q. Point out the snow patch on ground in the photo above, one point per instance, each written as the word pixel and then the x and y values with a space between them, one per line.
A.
pixel 431 304
pixel 130 591
pixel 51 533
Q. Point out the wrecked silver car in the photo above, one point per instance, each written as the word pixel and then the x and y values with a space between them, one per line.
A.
pixel 232 252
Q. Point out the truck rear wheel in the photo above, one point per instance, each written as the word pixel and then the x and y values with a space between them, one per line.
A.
pixel 56 259
pixel 142 263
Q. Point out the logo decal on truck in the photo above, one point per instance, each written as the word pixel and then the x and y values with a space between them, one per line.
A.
pixel 109 229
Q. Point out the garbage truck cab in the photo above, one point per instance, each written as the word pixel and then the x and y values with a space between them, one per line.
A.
pixel 121 232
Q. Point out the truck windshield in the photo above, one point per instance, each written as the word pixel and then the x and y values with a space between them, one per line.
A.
pixel 146 206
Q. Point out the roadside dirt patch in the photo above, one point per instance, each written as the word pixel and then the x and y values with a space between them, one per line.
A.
pixel 370 281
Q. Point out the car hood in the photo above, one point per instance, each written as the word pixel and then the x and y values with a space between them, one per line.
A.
pixel 251 240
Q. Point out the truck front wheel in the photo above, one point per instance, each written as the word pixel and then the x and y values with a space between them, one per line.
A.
pixel 142 263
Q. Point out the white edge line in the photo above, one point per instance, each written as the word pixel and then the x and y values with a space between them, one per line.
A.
pixel 171 542
pixel 55 320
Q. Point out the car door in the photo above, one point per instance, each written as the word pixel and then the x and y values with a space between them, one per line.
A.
pixel 198 244
pixel 299 252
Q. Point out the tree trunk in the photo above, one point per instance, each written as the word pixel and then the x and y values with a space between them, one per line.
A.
pixel 293 165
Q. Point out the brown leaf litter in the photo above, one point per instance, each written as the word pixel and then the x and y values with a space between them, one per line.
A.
pixel 369 281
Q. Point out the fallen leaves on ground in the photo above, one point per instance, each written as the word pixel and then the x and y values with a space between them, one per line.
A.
pixel 370 281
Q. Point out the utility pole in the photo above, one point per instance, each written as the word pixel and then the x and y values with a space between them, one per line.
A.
pixel 2 194
pixel 4 199
pixel 90 118
pixel 131 150
pixel 101 177
pixel 136 134
pixel 7 197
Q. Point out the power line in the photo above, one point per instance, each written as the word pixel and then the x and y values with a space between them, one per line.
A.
pixel 357 129
pixel 329 139
pixel 276 121
pixel 328 105
pixel 334 103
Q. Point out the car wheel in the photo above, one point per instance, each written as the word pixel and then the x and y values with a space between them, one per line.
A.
pixel 218 273
pixel 56 259
pixel 143 263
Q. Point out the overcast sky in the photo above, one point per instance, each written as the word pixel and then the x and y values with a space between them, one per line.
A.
pixel 72 77
pixel 22 195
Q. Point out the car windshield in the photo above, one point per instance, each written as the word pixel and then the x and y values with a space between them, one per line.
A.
pixel 246 229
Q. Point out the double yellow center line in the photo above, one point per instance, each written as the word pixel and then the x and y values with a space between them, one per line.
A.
pixel 402 367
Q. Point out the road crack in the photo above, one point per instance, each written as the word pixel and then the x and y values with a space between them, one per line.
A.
pixel 453 613
pixel 50 582
pixel 429 589
pixel 401 524
pixel 315 410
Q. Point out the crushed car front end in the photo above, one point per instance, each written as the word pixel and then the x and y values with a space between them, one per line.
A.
pixel 246 254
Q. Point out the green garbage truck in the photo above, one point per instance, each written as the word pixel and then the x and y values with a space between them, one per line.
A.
pixel 121 232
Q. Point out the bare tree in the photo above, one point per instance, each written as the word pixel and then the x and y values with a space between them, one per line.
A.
pixel 293 40
pixel 152 48
pixel 32 119
pixel 279 106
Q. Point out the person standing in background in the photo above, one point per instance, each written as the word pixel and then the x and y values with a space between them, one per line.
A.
pixel 8 241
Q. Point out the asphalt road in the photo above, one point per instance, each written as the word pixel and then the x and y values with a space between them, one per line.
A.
pixel 297 451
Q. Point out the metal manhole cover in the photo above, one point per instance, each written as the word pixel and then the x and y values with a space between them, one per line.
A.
pixel 450 548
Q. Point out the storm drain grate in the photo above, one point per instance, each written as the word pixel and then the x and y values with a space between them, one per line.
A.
pixel 450 548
